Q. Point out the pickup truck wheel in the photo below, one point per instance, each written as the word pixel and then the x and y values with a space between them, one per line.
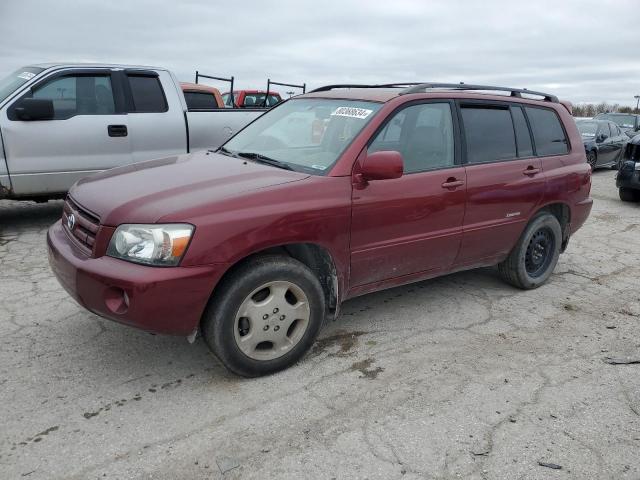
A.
pixel 533 259
pixel 628 194
pixel 265 316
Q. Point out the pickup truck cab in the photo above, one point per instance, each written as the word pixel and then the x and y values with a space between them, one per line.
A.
pixel 332 194
pixel 251 99
pixel 63 122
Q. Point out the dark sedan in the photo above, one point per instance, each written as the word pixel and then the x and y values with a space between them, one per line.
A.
pixel 629 123
pixel 604 142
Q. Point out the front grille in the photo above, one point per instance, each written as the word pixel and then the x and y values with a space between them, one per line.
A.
pixel 84 225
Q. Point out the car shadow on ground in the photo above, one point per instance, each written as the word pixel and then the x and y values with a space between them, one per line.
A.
pixel 136 354
pixel 121 352
pixel 18 215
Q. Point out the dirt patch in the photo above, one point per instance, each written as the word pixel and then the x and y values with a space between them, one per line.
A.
pixel 345 341
pixel 363 367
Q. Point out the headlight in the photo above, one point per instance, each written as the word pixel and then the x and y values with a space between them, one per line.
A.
pixel 162 245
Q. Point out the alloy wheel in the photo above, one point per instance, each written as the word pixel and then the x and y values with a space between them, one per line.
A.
pixel 271 320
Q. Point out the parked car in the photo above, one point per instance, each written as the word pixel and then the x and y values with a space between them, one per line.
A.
pixel 628 178
pixel 251 98
pixel 255 245
pixel 604 142
pixel 201 97
pixel 629 123
pixel 62 122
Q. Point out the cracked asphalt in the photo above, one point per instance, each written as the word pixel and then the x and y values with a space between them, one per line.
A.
pixel 458 377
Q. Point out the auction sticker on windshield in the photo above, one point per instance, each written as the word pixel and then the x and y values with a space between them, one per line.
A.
pixel 352 112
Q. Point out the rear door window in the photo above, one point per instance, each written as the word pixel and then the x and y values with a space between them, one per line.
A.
pixel 548 134
pixel 200 100
pixel 147 94
pixel 489 133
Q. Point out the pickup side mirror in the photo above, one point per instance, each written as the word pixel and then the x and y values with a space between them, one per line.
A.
pixel 383 165
pixel 29 109
pixel 601 138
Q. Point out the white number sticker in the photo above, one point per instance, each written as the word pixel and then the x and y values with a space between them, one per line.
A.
pixel 27 75
pixel 352 112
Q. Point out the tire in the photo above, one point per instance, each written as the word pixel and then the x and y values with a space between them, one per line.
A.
pixel 592 159
pixel 628 194
pixel 524 268
pixel 245 323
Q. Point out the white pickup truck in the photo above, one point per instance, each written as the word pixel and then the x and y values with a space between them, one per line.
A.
pixel 62 122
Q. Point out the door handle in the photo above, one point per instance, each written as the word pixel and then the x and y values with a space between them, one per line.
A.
pixel 117 130
pixel 452 183
pixel 531 171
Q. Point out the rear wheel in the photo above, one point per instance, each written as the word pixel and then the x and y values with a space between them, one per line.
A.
pixel 265 316
pixel 533 259
pixel 628 194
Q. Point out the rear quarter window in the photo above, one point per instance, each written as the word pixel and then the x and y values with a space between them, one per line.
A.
pixel 147 94
pixel 548 134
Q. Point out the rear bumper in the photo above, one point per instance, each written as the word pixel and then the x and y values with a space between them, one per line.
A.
pixel 580 213
pixel 160 300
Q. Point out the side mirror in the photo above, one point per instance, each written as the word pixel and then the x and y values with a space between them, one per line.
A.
pixel 602 137
pixel 29 109
pixel 383 165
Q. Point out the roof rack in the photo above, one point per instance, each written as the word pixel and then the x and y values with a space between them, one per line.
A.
pixel 292 85
pixel 220 79
pixel 515 92
pixel 326 88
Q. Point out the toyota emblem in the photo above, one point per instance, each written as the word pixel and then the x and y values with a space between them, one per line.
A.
pixel 71 221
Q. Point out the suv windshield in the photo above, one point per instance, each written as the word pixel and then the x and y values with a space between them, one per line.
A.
pixel 587 128
pixel 306 134
pixel 624 121
pixel 10 84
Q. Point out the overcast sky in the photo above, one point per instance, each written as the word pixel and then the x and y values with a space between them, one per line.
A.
pixel 583 51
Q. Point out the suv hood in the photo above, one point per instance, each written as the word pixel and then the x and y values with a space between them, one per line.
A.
pixel 147 191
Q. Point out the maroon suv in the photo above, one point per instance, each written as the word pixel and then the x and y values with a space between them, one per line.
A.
pixel 340 192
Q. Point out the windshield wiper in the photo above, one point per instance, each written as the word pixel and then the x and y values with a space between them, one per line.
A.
pixel 256 157
pixel 224 151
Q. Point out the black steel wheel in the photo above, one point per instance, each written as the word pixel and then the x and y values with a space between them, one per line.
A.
pixel 532 260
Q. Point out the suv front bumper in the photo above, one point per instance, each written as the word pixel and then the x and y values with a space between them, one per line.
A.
pixel 168 300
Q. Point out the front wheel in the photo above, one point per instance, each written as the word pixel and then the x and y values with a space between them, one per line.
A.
pixel 533 259
pixel 592 160
pixel 265 316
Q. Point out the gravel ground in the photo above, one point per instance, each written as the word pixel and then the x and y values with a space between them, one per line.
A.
pixel 458 377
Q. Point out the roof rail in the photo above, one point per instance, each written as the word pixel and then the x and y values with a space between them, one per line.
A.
pixel 515 92
pixel 326 88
